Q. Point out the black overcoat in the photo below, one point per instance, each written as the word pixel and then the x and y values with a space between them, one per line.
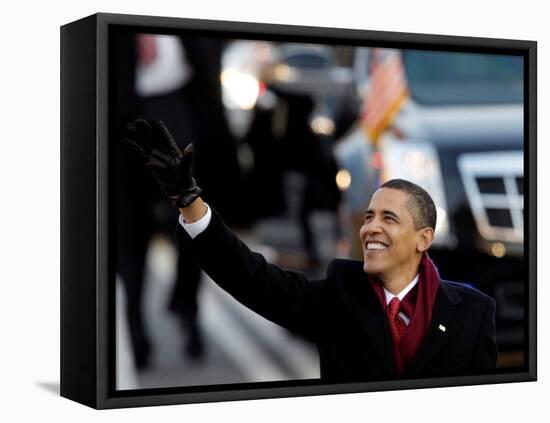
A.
pixel 342 315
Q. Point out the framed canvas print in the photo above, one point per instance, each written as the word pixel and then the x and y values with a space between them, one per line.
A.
pixel 258 211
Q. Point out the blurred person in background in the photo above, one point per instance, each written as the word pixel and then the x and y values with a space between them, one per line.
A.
pixel 176 79
pixel 389 315
pixel 290 150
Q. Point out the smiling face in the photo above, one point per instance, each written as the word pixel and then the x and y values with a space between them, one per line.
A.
pixel 392 246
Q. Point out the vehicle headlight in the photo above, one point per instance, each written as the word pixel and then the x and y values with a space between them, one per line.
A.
pixel 240 90
pixel 322 125
pixel 418 162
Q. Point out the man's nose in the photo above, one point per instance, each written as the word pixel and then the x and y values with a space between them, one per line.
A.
pixel 373 227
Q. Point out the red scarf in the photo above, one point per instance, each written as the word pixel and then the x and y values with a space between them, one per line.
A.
pixel 418 306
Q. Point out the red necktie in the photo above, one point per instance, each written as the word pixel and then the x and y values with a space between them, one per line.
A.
pixel 397 325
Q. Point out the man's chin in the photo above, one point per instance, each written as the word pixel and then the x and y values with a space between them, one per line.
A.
pixel 371 270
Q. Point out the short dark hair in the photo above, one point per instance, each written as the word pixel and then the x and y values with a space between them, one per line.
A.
pixel 420 204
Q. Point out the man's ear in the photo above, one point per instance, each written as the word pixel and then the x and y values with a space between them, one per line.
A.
pixel 425 239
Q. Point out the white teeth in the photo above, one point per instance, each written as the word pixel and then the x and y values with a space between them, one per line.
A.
pixel 375 246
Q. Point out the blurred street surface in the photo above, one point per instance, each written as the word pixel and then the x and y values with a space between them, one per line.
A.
pixel 240 346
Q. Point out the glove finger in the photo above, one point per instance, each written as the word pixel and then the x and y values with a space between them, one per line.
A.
pixel 164 138
pixel 163 159
pixel 137 148
pixel 140 127
pixel 188 156
pixel 141 131
pixel 142 122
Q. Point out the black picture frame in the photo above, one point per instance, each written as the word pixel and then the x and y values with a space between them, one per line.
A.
pixel 87 363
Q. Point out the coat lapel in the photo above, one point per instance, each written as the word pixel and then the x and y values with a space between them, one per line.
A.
pixel 368 310
pixel 375 324
pixel 442 329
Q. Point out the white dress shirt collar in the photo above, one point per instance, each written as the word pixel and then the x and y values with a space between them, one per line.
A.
pixel 404 291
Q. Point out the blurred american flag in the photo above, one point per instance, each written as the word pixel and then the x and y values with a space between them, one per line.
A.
pixel 386 93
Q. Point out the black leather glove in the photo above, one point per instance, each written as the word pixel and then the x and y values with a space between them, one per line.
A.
pixel 173 170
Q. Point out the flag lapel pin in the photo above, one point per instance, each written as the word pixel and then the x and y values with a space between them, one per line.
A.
pixel 442 328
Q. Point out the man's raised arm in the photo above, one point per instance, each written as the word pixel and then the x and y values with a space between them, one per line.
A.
pixel 284 297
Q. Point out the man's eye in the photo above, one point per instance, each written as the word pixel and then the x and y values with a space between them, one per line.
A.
pixel 391 219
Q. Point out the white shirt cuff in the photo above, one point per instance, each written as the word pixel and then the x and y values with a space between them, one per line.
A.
pixel 195 228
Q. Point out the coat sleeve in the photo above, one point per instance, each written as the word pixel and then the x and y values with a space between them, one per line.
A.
pixel 485 354
pixel 284 297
